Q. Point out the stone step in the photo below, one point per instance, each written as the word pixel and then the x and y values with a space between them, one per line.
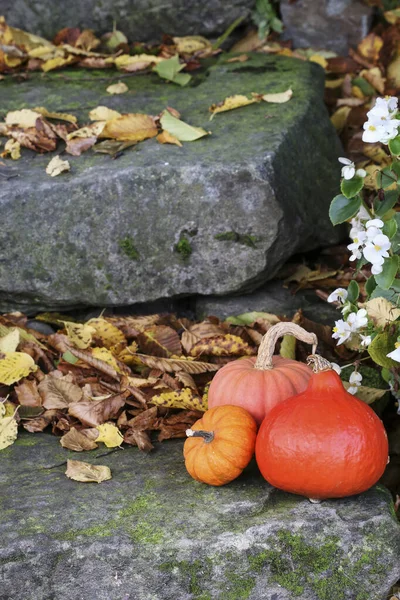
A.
pixel 106 233
pixel 153 533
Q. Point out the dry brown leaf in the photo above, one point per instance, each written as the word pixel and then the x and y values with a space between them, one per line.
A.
pixel 382 311
pixel 76 146
pixel 370 47
pixel 138 438
pixel 96 412
pixel 57 166
pixel 27 393
pixel 160 340
pixel 91 360
pixel 241 58
pixel 40 138
pixel 87 40
pixel 58 393
pixel 171 365
pixel 175 426
pixel 166 138
pixel 232 102
pixel 92 130
pixel 85 472
pixel 77 441
pixel 375 78
pixel 187 380
pixel 130 127
pixel 144 420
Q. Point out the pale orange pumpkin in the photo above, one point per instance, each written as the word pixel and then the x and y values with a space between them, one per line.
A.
pixel 220 445
pixel 257 384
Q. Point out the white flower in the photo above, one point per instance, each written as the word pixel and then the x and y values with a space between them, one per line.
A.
pixel 373 228
pixel 355 380
pixel 374 223
pixel 339 295
pixel 341 331
pixel 376 250
pixel 361 173
pixel 358 241
pixel 380 133
pixel 349 170
pixel 395 354
pixel 384 109
pixel 377 268
pixel 366 340
pixel 357 320
pixel 336 368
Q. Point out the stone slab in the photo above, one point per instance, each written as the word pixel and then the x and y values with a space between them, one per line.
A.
pixel 267 171
pixel 153 533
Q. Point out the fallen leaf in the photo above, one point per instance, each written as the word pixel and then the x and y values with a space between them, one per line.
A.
pixel 370 47
pixel 170 70
pixel 57 63
pixel 107 357
pixel 339 117
pixel 184 398
pixel 96 412
pixel 112 147
pixel 117 88
pixel 232 102
pixel 80 335
pixel 160 340
pixel 85 472
pixel 77 441
pixel 8 431
pixel 382 311
pixel 130 127
pixel 241 58
pixel 138 438
pixel 57 166
pixel 393 73
pixel 179 129
pixel 110 435
pixel 126 62
pixel 27 394
pixel 166 138
pixel 226 345
pixel 171 365
pixel 375 78
pixel 58 393
pixel 278 98
pixel 10 341
pixel 77 145
pixel 92 130
pixel 87 40
pixel 15 366
pixel 24 118
pixel 320 60
pixel 102 113
pixel 192 44
pixel 55 115
pixel 392 16
pixel 12 148
pixel 251 317
pixel 108 333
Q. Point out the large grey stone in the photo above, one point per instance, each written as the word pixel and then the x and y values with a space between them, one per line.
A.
pixel 143 20
pixel 153 533
pixel 267 171
pixel 329 24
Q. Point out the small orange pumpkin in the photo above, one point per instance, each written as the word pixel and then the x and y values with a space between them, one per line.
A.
pixel 260 383
pixel 323 443
pixel 220 445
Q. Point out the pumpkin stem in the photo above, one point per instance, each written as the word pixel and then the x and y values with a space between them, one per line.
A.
pixel 318 363
pixel 267 346
pixel 208 436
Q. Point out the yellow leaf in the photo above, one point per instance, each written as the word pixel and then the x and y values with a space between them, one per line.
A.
pixel 15 366
pixel 392 16
pixel 12 61
pixel 382 311
pixel 8 432
pixel 57 166
pixel 357 93
pixel 376 153
pixel 166 138
pixel 320 60
pixel 80 335
pixel 232 102
pixel 117 88
pixel 370 47
pixel 278 98
pixel 102 113
pixel 107 332
pixel 57 63
pixel 24 118
pixel 334 83
pixel 192 44
pixel 141 61
pixel 45 52
pixel 29 40
pixel 110 435
pixel 224 345
pixel 85 472
pixel 179 129
pixel 55 115
pixel 366 394
pixel 9 342
pixel 370 181
pixel 375 78
pixel 393 72
pixel 12 148
pixel 92 130
pixel 106 356
pixel 130 127
pixel 180 399
pixel 339 117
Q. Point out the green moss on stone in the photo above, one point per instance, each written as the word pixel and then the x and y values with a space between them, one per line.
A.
pixel 240 586
pixel 147 533
pixel 128 247
pixel 195 573
pixel 183 247
pixel 232 236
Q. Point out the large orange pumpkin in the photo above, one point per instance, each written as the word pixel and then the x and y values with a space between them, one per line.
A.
pixel 323 443
pixel 220 445
pixel 259 383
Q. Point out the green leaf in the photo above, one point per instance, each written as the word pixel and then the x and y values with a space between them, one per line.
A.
pixel 385 374
pixel 386 278
pixel 386 178
pixel 364 86
pixel 342 209
pixel 250 317
pixel 169 69
pixel 351 187
pixel 380 346
pixel 390 228
pixel 387 294
pixel 394 146
pixel 391 198
pixel 370 285
pixel 288 347
pixel 179 129
pixel 69 357
pixel 396 168
pixel 353 291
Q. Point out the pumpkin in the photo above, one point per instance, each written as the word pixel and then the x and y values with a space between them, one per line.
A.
pixel 220 445
pixel 260 383
pixel 323 443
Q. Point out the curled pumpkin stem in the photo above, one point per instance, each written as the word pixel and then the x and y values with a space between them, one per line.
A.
pixel 318 363
pixel 208 436
pixel 267 346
